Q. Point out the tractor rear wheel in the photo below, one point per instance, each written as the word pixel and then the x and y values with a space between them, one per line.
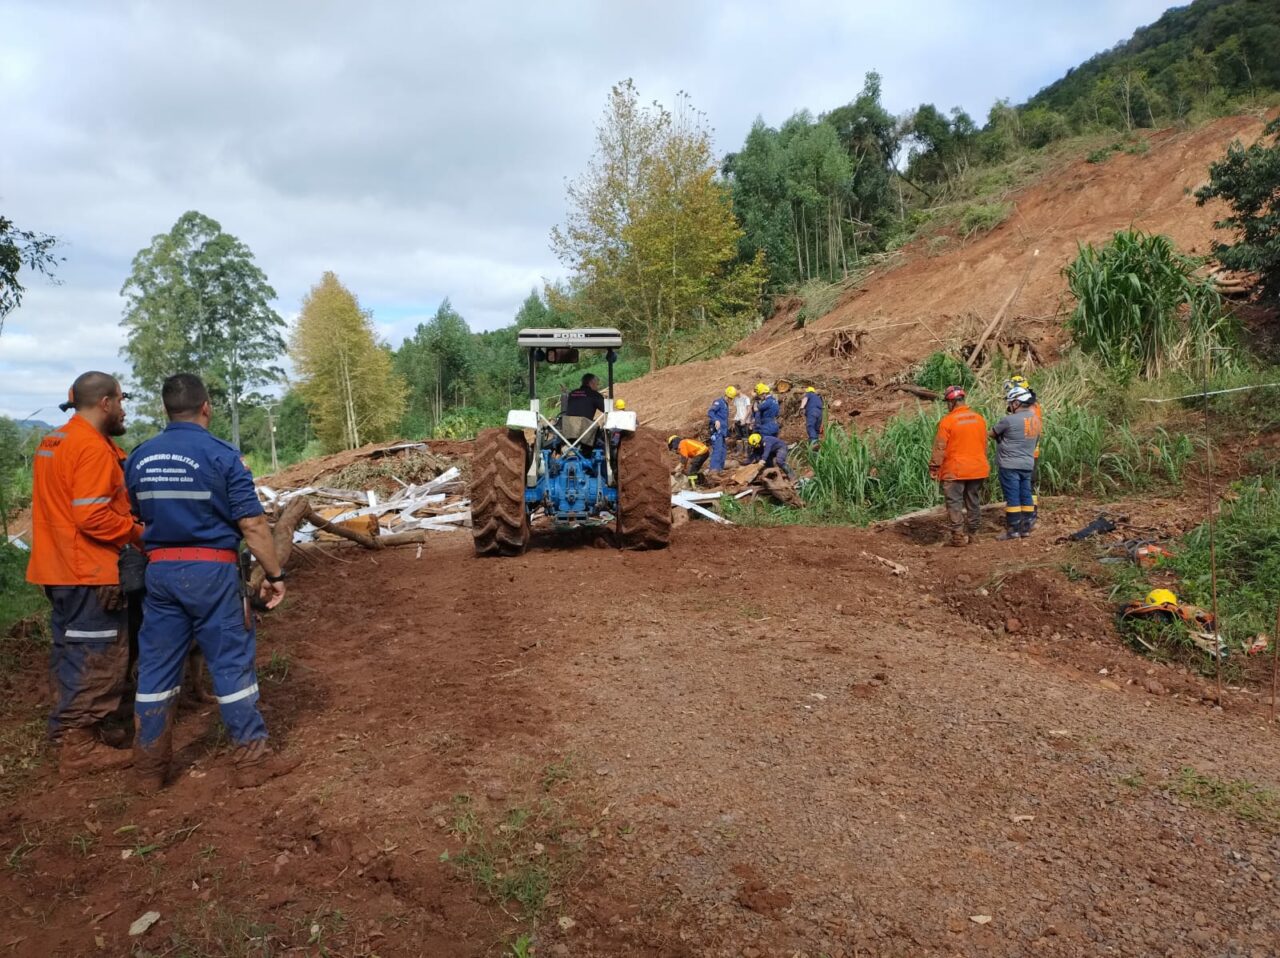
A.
pixel 644 492
pixel 499 519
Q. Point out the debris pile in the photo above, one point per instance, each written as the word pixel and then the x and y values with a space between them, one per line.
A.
pixel 428 496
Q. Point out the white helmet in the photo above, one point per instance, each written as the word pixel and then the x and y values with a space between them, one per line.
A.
pixel 1018 394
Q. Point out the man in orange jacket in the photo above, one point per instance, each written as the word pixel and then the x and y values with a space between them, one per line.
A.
pixel 80 520
pixel 959 462
pixel 693 453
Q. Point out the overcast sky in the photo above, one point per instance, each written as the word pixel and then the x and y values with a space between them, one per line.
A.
pixel 419 150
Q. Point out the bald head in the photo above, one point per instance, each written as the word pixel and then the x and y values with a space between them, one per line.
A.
pixel 90 389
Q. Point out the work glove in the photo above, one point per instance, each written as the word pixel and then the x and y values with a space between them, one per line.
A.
pixel 110 597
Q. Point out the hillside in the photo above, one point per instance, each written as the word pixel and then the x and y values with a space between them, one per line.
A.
pixel 920 301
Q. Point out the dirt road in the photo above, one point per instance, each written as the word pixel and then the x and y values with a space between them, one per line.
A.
pixel 758 743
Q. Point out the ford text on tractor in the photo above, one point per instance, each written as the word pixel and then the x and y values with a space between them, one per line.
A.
pixel 570 471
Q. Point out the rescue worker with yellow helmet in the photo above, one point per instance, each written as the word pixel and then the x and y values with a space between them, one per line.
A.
pixel 766 414
pixel 811 405
pixel 718 427
pixel 694 454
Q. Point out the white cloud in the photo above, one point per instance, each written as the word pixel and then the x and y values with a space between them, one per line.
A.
pixel 419 150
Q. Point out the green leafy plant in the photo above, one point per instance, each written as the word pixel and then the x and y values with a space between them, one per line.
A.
pixel 983 217
pixel 941 370
pixel 1141 309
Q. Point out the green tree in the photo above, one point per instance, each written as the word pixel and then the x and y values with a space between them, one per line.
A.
pixel 197 302
pixel 348 382
pixel 437 363
pixel 1248 181
pixel 19 249
pixel 650 234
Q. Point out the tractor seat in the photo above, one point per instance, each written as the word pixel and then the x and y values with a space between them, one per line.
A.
pixel 582 428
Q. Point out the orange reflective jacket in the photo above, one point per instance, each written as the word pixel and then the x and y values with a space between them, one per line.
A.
pixel 960 446
pixel 80 517
pixel 691 448
pixel 1035 411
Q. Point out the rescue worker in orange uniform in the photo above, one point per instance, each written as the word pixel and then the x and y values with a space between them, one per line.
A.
pixel 959 462
pixel 693 453
pixel 80 520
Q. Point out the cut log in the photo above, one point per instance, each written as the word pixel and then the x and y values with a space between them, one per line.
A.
pixel 917 391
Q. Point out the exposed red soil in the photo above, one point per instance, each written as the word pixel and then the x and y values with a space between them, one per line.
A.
pixel 773 747
pixel 920 302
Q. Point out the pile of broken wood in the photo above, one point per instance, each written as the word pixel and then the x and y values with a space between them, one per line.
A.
pixel 748 482
pixel 315 513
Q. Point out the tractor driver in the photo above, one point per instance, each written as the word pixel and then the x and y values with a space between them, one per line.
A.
pixel 581 410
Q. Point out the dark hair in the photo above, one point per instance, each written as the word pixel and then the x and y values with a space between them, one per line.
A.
pixel 183 395
pixel 587 377
pixel 89 389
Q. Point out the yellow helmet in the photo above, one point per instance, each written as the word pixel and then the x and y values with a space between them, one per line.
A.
pixel 619 404
pixel 1161 597
pixel 761 389
pixel 810 389
pixel 731 392
pixel 671 439
pixel 754 439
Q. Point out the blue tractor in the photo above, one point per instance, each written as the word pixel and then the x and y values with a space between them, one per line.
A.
pixel 569 472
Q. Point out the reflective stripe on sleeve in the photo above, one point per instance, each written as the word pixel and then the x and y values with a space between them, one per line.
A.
pixel 157 696
pixel 237 696
pixel 44 452
pixel 57 435
pixel 95 501
pixel 80 634
pixel 175 494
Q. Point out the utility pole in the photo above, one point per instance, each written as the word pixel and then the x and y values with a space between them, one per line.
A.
pixel 271 430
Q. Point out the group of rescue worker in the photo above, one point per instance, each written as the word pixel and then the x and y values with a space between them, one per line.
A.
pixel 959 461
pixel 158 530
pixel 752 424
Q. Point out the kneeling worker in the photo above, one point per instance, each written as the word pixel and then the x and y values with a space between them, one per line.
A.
pixel 693 453
pixel 196 501
pixel 770 450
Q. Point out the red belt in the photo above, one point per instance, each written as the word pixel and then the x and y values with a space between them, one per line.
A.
pixel 194 554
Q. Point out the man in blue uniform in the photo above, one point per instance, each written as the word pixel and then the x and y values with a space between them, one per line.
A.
pixel 766 420
pixel 196 501
pixel 718 428
pixel 770 450
pixel 811 406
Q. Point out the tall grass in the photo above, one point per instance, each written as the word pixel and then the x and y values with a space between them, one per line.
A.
pixel 1247 546
pixel 1141 309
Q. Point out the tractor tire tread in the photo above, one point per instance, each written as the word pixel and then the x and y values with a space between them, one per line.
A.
pixel 499 519
pixel 644 492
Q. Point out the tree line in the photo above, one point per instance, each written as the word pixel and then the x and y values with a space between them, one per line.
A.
pixel 676 246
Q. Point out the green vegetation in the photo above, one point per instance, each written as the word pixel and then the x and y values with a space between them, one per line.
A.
pixel 22 249
pixel 197 300
pixel 1247 549
pixel 19 600
pixel 1238 797
pixel 348 384
pixel 983 217
pixel 1141 309
pixel 650 236
pixel 941 370
pixel 1249 181
pixel 515 860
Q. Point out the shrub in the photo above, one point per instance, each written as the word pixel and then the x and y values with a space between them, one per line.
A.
pixel 983 217
pixel 942 370
pixel 1141 309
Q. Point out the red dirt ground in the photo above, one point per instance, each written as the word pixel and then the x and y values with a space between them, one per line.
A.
pixel 924 302
pixel 760 743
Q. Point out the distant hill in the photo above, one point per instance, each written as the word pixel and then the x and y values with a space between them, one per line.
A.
pixel 34 425
pixel 1200 55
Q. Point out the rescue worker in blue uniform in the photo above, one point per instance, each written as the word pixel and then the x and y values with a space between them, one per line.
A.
pixel 811 405
pixel 196 501
pixel 718 429
pixel 766 420
pixel 770 450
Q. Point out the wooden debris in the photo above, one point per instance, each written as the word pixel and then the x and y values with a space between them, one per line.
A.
pixel 897 568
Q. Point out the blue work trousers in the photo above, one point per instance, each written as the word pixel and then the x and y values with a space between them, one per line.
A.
pixel 88 659
pixel 1018 505
pixel 717 449
pixel 813 425
pixel 201 602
